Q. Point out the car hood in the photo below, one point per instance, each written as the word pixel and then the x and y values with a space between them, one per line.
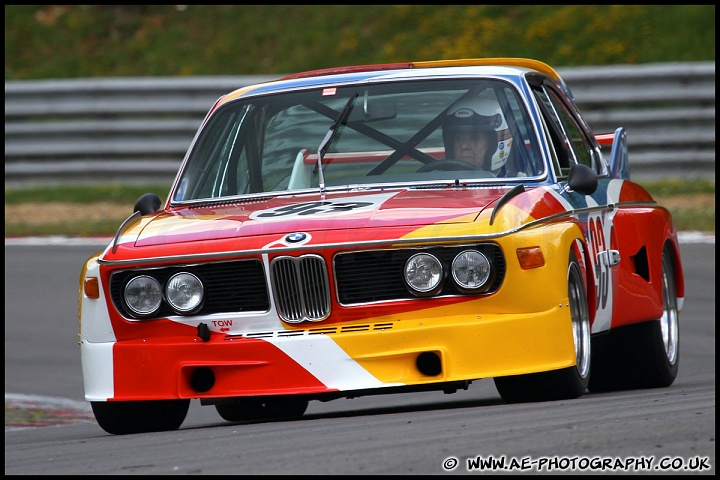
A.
pixel 312 213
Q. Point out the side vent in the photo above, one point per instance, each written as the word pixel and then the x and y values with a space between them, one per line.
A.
pixel 640 261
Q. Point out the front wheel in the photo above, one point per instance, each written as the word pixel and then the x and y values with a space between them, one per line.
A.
pixel 566 383
pixel 121 418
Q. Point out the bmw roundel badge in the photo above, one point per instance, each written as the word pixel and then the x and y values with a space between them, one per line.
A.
pixel 295 237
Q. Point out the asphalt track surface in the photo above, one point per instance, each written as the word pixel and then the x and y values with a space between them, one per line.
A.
pixel 670 430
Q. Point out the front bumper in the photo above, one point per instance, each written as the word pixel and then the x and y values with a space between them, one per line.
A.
pixel 425 350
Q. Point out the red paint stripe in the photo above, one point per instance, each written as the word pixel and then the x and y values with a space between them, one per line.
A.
pixel 161 368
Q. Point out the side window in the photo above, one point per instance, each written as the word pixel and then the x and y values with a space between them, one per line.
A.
pixel 215 156
pixel 560 170
pixel 583 152
pixel 570 142
pixel 559 148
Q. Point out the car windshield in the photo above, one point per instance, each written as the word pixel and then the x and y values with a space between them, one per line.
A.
pixel 369 135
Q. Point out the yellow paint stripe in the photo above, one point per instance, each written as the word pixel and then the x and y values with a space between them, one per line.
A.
pixel 512 62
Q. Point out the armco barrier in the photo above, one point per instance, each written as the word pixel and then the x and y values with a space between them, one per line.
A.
pixel 137 130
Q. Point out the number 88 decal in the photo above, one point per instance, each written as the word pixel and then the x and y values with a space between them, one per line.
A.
pixel 602 272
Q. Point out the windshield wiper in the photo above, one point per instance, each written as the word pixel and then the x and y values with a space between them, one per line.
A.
pixel 325 144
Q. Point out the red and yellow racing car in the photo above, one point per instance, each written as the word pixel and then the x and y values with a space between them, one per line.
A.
pixel 378 229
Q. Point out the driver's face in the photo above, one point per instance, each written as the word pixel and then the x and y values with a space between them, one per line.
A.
pixel 471 147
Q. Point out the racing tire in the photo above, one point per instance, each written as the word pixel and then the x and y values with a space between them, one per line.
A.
pixel 643 355
pixel 262 408
pixel 565 383
pixel 122 418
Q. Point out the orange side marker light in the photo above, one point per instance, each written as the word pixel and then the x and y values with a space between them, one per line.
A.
pixel 92 288
pixel 530 257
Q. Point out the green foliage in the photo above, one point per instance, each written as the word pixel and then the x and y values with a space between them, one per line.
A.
pixel 691 202
pixel 76 41
pixel 71 228
pixel 675 186
pixel 694 219
pixel 87 195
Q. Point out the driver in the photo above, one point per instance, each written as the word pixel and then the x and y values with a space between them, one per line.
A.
pixel 470 132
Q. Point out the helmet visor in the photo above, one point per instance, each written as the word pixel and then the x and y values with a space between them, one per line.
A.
pixel 466 119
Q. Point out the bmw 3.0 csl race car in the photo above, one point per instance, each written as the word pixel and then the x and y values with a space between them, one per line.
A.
pixel 378 229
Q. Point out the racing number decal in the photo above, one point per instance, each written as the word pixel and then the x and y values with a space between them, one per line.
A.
pixel 599 229
pixel 337 206
pixel 602 270
pixel 313 208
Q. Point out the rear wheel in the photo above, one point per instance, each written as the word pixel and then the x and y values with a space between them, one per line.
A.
pixel 565 383
pixel 644 355
pixel 257 408
pixel 120 418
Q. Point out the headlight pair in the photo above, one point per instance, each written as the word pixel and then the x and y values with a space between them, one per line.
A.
pixel 424 272
pixel 183 291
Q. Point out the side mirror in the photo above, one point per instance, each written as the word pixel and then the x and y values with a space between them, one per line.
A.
pixel 582 179
pixel 147 203
pixel 619 167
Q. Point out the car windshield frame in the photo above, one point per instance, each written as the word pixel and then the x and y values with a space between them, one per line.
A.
pixel 270 144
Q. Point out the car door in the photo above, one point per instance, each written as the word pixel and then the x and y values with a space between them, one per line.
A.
pixel 571 142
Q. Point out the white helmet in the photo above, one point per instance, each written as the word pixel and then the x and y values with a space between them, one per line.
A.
pixel 479 112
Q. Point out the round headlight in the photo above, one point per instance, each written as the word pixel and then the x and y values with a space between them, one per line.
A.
pixel 471 270
pixel 423 273
pixel 143 295
pixel 184 292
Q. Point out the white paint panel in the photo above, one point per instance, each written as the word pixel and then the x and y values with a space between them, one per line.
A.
pixel 97 367
pixel 329 363
pixel 95 325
